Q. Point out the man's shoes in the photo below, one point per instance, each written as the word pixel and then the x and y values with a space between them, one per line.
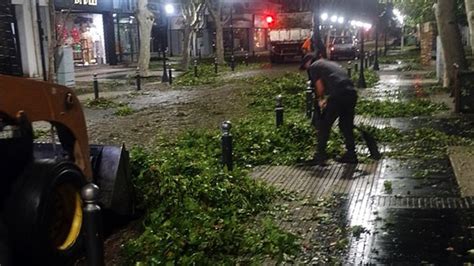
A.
pixel 350 158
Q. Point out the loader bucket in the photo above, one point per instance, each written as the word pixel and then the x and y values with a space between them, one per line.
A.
pixel 111 169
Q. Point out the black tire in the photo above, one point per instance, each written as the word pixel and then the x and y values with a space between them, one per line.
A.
pixel 44 213
pixel 4 250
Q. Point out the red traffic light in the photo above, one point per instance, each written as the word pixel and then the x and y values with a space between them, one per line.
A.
pixel 269 19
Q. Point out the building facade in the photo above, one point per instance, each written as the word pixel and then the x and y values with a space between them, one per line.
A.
pixel 98 31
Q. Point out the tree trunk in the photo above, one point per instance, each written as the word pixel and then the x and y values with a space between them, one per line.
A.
pixel 220 43
pixel 186 47
pixel 449 32
pixel 145 24
pixel 470 20
pixel 52 42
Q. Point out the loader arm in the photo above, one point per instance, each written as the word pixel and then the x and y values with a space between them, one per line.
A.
pixel 41 101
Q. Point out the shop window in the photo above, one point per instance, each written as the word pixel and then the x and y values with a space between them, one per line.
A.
pixel 85 34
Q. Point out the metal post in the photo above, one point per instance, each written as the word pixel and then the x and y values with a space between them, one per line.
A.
pixel 195 68
pixel 356 67
pixel 385 44
pixel 279 110
pixel 246 59
pixel 41 37
pixel 361 83
pixel 309 101
pixel 96 86
pixel 137 77
pixel 349 69
pixel 92 219
pixel 170 34
pixel 226 141
pixel 232 30
pixel 376 60
pixel 232 62
pixel 170 74
pixel 164 78
pixel 216 65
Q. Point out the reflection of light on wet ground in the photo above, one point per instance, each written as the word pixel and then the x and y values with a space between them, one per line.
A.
pixel 361 213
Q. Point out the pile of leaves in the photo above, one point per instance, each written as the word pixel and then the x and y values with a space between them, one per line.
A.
pixel 206 73
pixel 101 103
pixel 387 109
pixel 198 212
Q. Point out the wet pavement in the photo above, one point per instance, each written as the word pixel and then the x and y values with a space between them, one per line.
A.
pixel 408 210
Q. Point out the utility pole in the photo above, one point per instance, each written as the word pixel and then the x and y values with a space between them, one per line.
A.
pixel 318 44
pixel 41 38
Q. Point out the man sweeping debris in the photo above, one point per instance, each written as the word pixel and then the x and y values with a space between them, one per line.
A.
pixel 337 98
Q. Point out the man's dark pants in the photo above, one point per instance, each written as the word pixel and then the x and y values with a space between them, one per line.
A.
pixel 343 107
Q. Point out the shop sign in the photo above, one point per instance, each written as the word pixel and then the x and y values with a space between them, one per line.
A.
pixel 92 6
pixel 85 2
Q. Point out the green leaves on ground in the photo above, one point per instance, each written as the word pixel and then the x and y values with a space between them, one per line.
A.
pixel 371 77
pixel 386 109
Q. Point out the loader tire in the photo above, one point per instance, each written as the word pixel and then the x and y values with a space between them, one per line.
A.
pixel 4 250
pixel 44 213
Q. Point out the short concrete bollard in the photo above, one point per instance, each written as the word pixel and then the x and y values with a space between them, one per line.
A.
pixel 138 80
pixel 170 75
pixel 96 86
pixel 279 110
pixel 216 65
pixel 309 102
pixel 226 141
pixel 232 63
pixel 195 68
pixel 93 237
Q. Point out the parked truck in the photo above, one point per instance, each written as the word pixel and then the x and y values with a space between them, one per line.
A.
pixel 287 43
pixel 41 215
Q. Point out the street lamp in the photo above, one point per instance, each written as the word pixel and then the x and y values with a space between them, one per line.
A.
pixel 169 10
pixel 361 82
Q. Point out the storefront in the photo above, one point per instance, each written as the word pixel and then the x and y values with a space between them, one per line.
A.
pixel 100 31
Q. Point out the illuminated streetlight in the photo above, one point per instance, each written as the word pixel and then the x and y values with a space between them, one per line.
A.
pixel 333 18
pixel 169 9
pixel 340 20
pixel 324 16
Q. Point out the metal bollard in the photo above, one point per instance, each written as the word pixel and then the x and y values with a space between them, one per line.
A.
pixel 216 65
pixel 96 87
pixel 356 67
pixel 349 69
pixel 232 63
pixel 195 68
pixel 309 102
pixel 246 59
pixel 366 60
pixel 164 77
pixel 279 110
pixel 92 219
pixel 170 74
pixel 137 77
pixel 226 141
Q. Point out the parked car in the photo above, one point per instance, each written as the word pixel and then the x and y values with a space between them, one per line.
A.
pixel 342 47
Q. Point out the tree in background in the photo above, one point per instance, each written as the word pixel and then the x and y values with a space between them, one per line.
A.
pixel 215 9
pixel 145 23
pixel 448 29
pixel 190 10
